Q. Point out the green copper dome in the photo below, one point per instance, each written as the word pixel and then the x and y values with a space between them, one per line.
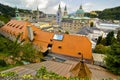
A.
pixel 80 11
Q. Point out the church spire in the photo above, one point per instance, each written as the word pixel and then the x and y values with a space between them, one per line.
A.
pixel 65 11
pixel 80 6
pixel 65 8
pixel 59 7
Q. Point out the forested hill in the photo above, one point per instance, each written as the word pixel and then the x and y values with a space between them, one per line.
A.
pixel 108 14
pixel 6 12
pixel 111 13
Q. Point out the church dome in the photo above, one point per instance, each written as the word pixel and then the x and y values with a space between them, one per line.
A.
pixel 80 11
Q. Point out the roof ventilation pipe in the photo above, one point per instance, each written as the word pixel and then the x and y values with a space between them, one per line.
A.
pixel 30 33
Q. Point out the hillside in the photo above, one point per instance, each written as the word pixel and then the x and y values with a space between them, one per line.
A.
pixel 7 12
pixel 111 13
pixel 108 14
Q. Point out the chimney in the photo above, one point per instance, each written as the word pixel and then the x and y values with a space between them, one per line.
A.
pixel 30 33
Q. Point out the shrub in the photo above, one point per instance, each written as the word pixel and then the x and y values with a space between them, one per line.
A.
pixel 2 63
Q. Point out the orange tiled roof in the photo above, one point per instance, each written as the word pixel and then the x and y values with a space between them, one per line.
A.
pixel 71 45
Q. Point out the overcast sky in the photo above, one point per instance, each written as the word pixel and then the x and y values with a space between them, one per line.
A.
pixel 50 6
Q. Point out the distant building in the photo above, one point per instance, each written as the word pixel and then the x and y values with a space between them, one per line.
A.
pixel 62 44
pixel 17 15
pixel 75 22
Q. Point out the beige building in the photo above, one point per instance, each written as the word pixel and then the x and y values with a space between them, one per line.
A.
pixel 75 22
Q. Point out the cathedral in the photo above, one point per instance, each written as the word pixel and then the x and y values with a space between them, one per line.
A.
pixel 72 22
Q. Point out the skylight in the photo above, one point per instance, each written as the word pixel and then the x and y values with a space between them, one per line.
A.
pixel 58 37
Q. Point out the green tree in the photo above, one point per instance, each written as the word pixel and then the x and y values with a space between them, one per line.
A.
pixel 30 53
pixel 113 58
pixel 103 41
pixel 101 49
pixel 118 36
pixel 14 47
pixel 110 38
pixel 99 40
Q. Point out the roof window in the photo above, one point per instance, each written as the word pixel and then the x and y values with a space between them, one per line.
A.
pixel 17 26
pixel 59 47
pixel 13 25
pixel 58 37
pixel 21 27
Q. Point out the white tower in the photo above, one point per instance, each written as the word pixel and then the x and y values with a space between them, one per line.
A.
pixel 38 14
pixel 59 16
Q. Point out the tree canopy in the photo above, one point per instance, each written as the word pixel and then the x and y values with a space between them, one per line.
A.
pixel 112 51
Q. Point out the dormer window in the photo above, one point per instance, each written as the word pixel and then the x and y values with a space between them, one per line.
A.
pixel 17 26
pixel 21 27
pixel 13 26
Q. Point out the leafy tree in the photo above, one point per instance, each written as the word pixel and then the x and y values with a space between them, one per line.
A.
pixel 118 36
pixel 101 49
pixel 103 41
pixel 113 58
pixel 13 48
pixel 99 40
pixel 30 53
pixel 110 38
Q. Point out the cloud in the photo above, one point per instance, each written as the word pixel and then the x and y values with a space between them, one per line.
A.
pixel 88 6
pixel 62 4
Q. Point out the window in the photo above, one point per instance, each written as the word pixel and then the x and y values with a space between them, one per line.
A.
pixel 21 27
pixel 13 26
pixel 58 37
pixel 17 26
pixel 79 53
pixel 59 47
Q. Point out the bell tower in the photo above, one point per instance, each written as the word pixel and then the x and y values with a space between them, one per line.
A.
pixel 17 15
pixel 65 11
pixel 59 16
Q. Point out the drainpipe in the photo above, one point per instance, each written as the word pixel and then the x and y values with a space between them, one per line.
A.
pixel 30 33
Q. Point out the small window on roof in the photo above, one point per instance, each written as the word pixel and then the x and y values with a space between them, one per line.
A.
pixel 59 47
pixel 13 25
pixel 58 37
pixel 8 24
pixel 21 27
pixel 79 53
pixel 17 26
